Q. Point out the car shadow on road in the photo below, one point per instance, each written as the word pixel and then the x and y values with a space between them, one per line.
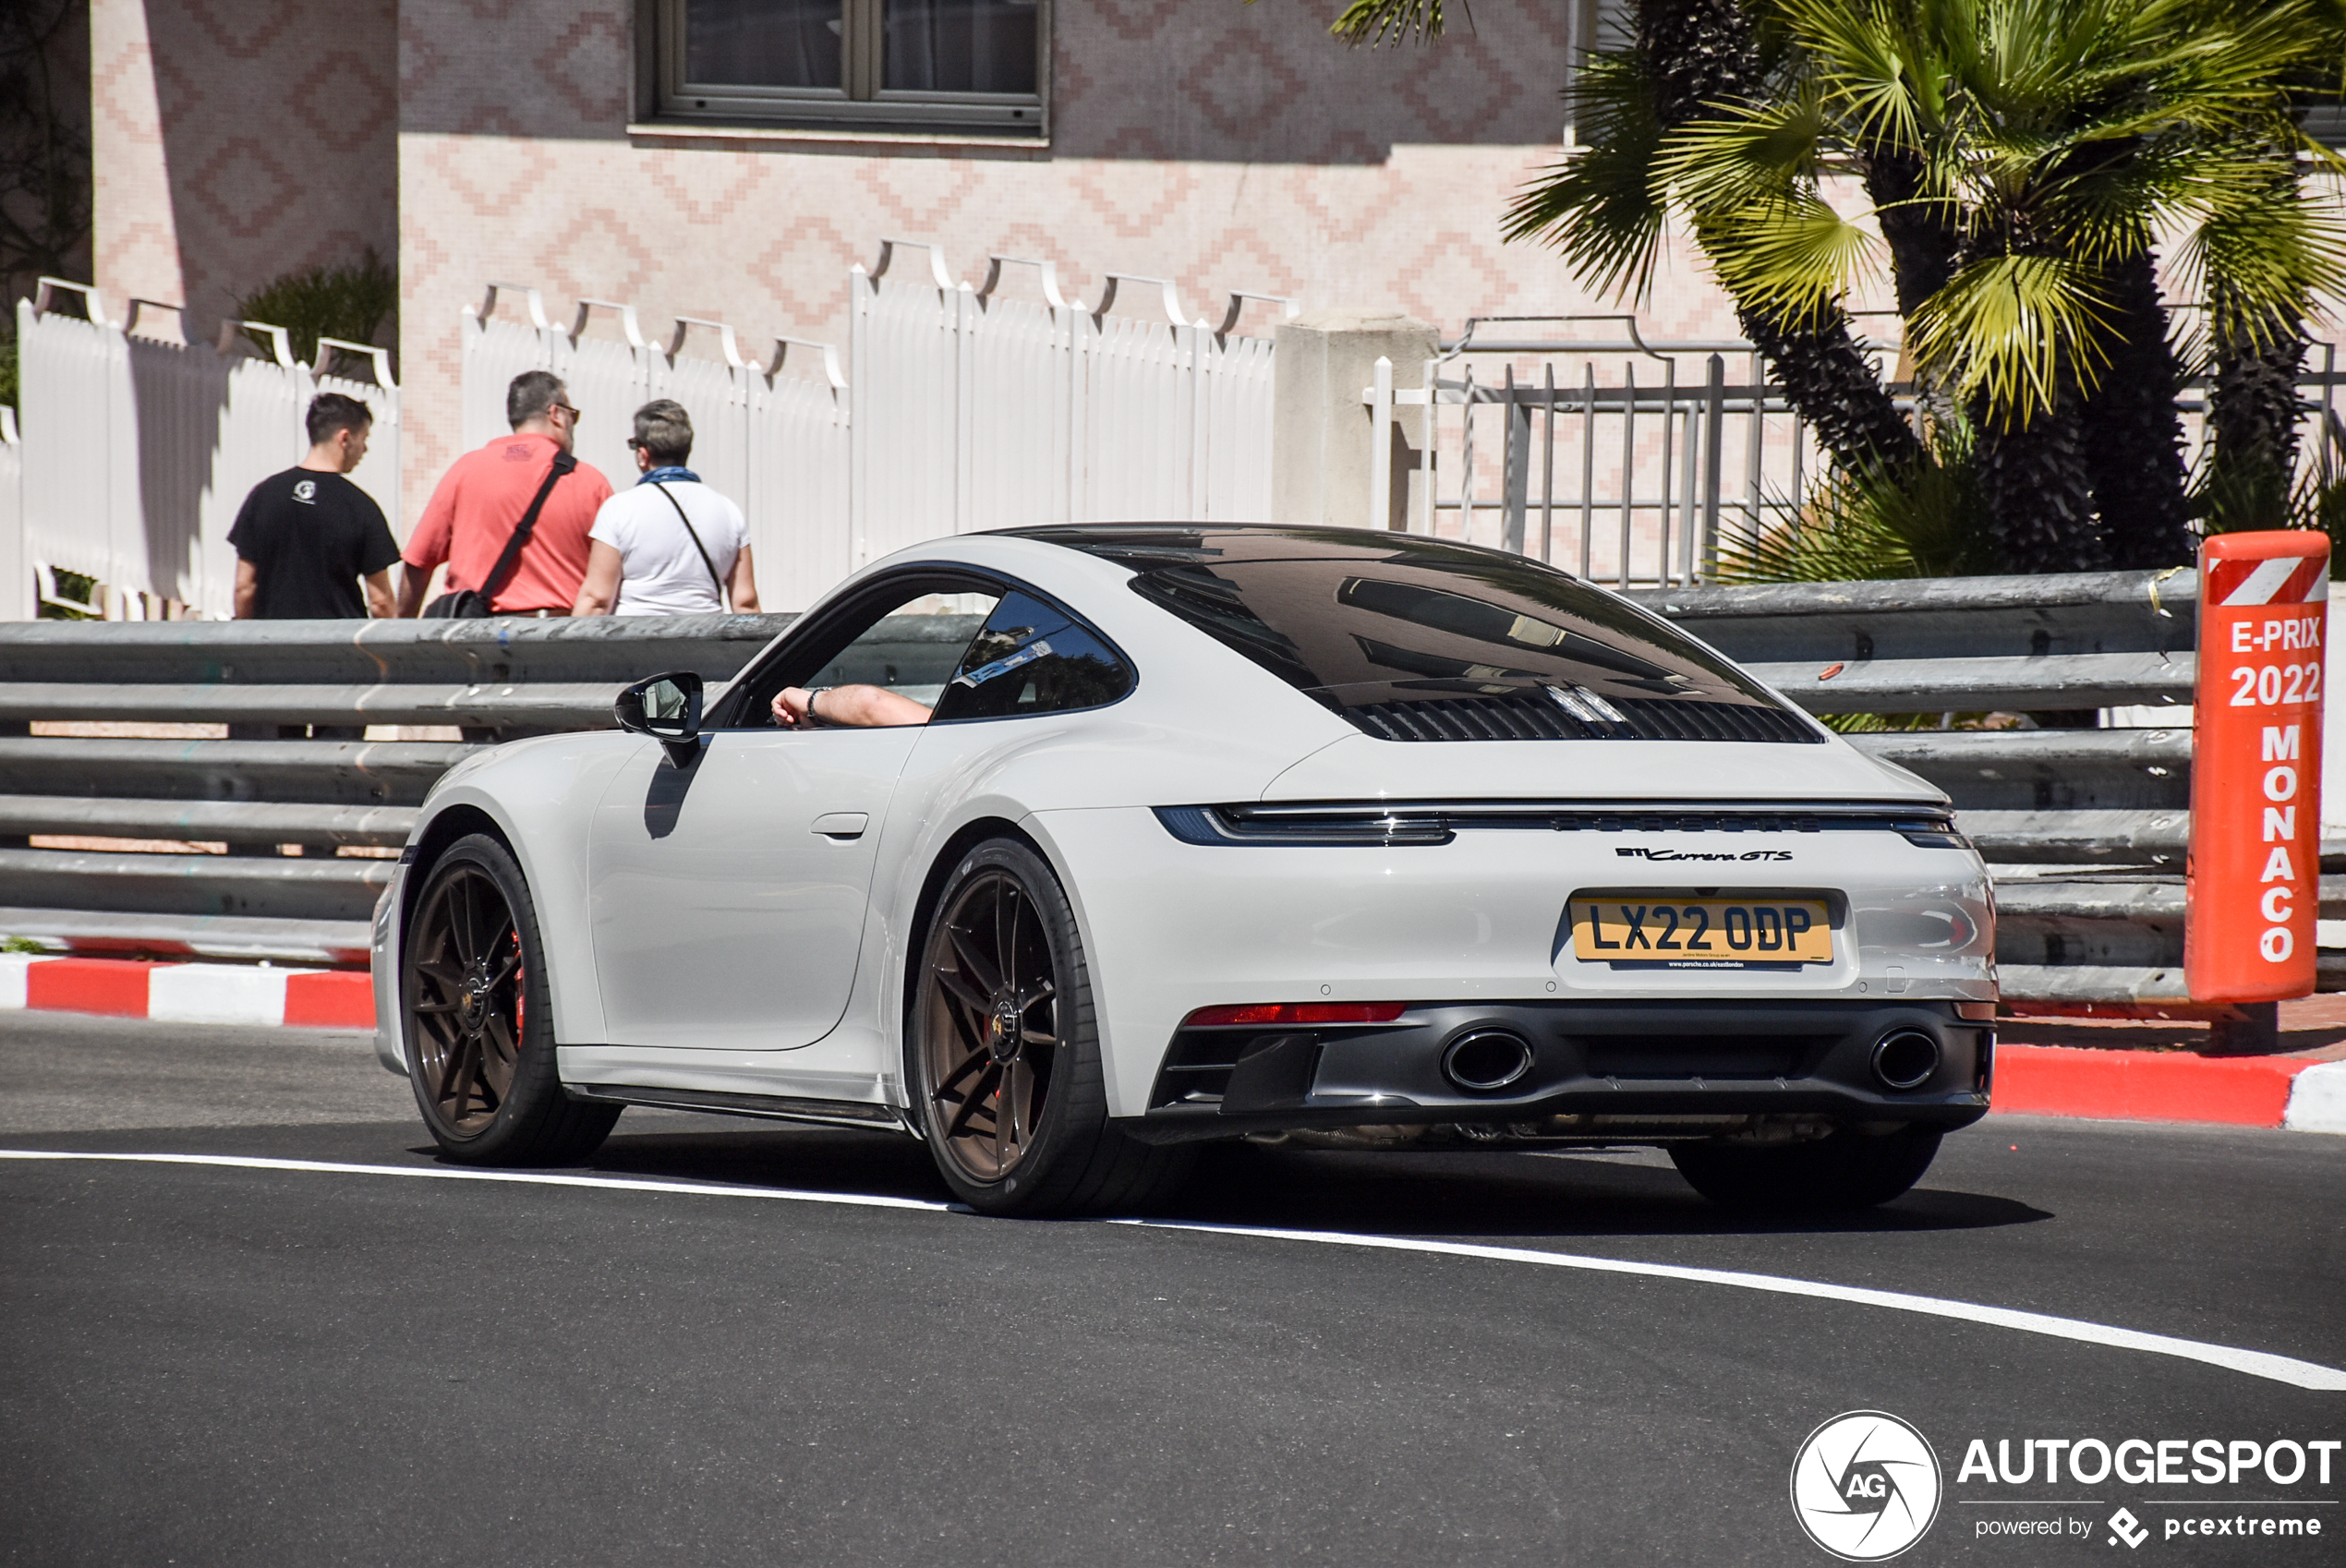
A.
pixel 1520 1194
pixel 1447 1193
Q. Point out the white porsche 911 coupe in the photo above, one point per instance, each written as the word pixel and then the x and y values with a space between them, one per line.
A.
pixel 1205 832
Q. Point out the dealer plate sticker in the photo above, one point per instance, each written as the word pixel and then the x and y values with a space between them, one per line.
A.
pixel 1631 931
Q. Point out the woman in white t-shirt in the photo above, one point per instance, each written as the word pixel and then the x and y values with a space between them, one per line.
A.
pixel 664 547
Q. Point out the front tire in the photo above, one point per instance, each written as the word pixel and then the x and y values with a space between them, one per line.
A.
pixel 1846 1171
pixel 1003 1053
pixel 480 1018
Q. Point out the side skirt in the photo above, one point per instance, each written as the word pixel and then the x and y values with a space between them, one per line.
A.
pixel 769 1107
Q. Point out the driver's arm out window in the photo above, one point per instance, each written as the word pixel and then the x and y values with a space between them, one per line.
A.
pixel 910 645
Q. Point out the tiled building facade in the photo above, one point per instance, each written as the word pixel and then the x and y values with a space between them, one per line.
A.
pixel 1219 144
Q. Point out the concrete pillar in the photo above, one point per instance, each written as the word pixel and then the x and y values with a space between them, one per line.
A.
pixel 1320 429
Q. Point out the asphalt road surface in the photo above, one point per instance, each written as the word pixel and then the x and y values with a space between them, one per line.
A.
pixel 257 1363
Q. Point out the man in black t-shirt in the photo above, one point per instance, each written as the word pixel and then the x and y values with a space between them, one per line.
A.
pixel 307 538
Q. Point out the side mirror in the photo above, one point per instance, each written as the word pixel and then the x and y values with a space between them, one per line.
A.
pixel 666 707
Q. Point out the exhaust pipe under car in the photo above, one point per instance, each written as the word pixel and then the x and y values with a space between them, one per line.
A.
pixel 1905 1058
pixel 1483 1061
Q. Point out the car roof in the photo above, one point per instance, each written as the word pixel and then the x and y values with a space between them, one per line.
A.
pixel 1145 547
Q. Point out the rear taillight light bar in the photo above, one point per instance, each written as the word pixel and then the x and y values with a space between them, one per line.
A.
pixel 1273 1015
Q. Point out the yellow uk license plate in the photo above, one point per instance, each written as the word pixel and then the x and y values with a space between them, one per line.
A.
pixel 1639 930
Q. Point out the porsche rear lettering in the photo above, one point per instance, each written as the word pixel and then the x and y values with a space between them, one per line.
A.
pixel 1641 854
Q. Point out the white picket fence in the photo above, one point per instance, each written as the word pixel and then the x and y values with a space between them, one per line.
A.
pixel 16 572
pixel 776 441
pixel 969 406
pixel 962 407
pixel 137 448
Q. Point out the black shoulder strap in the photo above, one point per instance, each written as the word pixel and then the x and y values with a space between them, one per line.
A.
pixel 696 544
pixel 563 464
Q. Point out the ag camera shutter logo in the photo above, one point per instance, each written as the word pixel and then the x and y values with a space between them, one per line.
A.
pixel 1866 1486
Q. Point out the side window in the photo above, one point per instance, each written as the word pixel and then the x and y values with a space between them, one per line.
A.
pixel 1032 657
pixel 910 642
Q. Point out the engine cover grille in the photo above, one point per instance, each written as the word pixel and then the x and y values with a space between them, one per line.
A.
pixel 1522 716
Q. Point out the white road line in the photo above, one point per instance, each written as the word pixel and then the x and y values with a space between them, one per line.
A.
pixel 526 1178
pixel 2255 1363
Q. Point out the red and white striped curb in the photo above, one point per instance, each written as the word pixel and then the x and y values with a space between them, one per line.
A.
pixel 2171 1086
pixel 2057 1081
pixel 2317 1099
pixel 311 999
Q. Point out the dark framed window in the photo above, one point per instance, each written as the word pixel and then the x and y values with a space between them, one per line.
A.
pixel 893 64
pixel 1032 657
pixel 964 647
pixel 908 633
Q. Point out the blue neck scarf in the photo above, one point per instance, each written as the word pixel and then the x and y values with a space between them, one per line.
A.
pixel 674 473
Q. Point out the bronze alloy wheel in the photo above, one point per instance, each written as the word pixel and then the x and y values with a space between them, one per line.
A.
pixel 466 984
pixel 479 1018
pixel 990 1035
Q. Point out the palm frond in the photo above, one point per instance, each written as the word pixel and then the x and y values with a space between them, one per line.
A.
pixel 1792 259
pixel 2005 326
pixel 1598 205
pixel 2266 254
pixel 1766 152
pixel 1375 22
pixel 1869 64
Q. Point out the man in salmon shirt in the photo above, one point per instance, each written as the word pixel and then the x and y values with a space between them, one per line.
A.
pixel 482 497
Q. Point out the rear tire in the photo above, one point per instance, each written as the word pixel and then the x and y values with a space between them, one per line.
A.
pixel 1847 1171
pixel 1002 1052
pixel 479 1018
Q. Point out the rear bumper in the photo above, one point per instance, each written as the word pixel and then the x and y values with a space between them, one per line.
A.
pixel 1603 1066
pixel 1170 926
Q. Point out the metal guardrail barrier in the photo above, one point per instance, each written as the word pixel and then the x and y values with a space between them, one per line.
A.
pixel 2087 827
pixel 492 678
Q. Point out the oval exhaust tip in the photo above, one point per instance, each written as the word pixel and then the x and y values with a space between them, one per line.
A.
pixel 1905 1058
pixel 1484 1060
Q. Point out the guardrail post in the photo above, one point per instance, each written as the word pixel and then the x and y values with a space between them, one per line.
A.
pixel 2253 886
pixel 1322 424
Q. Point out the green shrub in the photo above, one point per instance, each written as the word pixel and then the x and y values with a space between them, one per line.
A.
pixel 1929 520
pixel 70 584
pixel 350 302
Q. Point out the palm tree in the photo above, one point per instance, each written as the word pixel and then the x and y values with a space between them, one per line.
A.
pixel 2062 136
pixel 2017 158
pixel 1601 209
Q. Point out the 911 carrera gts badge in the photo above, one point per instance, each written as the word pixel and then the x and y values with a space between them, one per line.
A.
pixel 1639 852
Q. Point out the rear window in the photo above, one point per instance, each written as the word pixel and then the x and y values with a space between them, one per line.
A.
pixel 1420 640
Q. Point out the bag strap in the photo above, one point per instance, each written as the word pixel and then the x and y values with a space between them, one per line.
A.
pixel 563 464
pixel 696 544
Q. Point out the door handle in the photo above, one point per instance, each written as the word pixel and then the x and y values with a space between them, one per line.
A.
pixel 841 825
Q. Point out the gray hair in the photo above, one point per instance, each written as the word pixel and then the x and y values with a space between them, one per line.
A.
pixel 664 430
pixel 531 395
